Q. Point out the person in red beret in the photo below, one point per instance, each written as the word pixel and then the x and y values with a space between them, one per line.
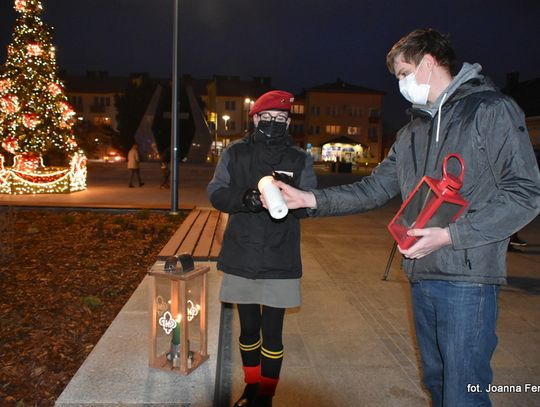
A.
pixel 260 255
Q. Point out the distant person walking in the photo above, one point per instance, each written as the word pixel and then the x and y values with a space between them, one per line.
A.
pixel 133 165
pixel 165 168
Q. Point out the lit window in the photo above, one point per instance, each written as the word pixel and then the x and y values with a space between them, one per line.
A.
pixel 333 129
pixel 297 109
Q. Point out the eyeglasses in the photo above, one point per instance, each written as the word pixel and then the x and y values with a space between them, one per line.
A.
pixel 266 117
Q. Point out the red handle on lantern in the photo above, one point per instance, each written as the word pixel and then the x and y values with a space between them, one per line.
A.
pixel 449 182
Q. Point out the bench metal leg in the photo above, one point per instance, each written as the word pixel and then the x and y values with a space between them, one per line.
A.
pixel 223 383
pixel 389 262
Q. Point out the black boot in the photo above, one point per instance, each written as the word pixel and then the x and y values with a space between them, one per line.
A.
pixel 262 400
pixel 247 397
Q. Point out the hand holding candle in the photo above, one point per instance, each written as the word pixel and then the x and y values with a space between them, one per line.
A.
pixel 272 198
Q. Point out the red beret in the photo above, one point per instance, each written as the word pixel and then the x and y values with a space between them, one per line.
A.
pixel 273 100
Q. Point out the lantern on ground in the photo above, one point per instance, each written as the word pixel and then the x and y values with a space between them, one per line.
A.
pixel 178 331
pixel 433 203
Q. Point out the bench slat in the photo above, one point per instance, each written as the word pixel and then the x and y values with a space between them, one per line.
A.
pixel 176 240
pixel 217 241
pixel 189 243
pixel 202 250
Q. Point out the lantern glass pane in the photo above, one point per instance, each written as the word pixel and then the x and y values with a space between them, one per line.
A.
pixel 417 202
pixel 444 215
pixel 193 307
pixel 168 322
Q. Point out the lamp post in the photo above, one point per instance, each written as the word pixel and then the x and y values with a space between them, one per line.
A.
pixel 248 103
pixel 174 115
pixel 226 118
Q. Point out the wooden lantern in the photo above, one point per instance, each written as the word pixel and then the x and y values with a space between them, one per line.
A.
pixel 178 331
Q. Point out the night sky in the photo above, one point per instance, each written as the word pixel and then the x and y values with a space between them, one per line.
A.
pixel 299 43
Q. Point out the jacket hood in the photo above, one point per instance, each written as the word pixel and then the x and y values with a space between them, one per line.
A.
pixel 468 80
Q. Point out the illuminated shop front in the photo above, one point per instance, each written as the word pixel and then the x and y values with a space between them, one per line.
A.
pixel 342 149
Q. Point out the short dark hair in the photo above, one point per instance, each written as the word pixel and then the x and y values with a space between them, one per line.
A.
pixel 420 42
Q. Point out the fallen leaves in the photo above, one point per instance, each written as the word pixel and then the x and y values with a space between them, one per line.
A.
pixel 64 276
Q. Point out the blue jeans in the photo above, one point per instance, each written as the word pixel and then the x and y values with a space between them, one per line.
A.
pixel 455 330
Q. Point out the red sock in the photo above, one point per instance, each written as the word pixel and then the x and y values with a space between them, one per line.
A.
pixel 252 374
pixel 268 386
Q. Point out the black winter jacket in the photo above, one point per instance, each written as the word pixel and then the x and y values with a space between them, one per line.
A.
pixel 255 245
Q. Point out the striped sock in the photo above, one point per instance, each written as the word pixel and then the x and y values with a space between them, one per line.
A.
pixel 270 368
pixel 268 386
pixel 251 360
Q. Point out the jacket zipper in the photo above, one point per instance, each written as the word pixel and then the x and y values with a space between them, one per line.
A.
pixel 428 148
pixel 467 260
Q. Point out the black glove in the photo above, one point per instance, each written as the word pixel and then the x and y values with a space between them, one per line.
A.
pixel 252 200
pixel 279 176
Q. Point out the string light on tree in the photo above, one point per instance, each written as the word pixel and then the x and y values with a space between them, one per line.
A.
pixel 35 116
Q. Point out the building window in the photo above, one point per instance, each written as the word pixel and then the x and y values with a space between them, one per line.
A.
pixel 317 129
pixel 107 101
pixel 231 125
pixel 102 121
pixel 297 109
pixel 333 129
pixel 230 105
pixel 332 111
pixel 297 129
pixel 76 102
pixel 354 131
pixel 374 115
pixel 373 137
pixel 315 110
pixel 355 111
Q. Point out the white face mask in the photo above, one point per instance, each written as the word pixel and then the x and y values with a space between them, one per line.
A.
pixel 413 91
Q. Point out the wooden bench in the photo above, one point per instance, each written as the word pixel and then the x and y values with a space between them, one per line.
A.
pixel 200 234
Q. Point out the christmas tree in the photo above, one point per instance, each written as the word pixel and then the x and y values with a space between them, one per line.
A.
pixel 35 116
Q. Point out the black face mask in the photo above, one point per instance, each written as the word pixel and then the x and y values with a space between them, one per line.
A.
pixel 272 129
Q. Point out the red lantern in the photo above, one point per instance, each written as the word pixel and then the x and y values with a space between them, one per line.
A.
pixel 433 203
pixel 10 144
pixel 34 50
pixel 20 5
pixel 27 162
pixel 66 110
pixel 4 85
pixel 9 104
pixel 30 120
pixel 55 89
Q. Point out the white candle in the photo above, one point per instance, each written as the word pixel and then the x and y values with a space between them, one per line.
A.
pixel 272 195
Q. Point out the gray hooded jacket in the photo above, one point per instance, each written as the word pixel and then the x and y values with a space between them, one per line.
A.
pixel 501 180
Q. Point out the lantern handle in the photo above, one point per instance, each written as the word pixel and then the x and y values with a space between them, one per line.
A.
pixel 461 163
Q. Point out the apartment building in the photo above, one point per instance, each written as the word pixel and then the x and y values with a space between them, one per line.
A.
pixel 93 97
pixel 339 121
pixel 228 100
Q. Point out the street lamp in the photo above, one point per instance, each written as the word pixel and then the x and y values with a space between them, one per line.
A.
pixel 248 104
pixel 226 118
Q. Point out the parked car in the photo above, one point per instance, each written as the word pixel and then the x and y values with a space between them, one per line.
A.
pixel 113 157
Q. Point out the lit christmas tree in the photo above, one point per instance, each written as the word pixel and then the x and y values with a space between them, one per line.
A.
pixel 35 116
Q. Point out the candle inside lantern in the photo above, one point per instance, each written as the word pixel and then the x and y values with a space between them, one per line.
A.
pixel 176 331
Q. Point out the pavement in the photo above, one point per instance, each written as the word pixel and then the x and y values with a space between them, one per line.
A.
pixel 351 343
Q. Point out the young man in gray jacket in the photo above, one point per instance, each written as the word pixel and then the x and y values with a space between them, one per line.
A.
pixel 455 271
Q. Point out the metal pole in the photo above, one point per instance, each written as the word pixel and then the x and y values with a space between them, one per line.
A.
pixel 174 115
